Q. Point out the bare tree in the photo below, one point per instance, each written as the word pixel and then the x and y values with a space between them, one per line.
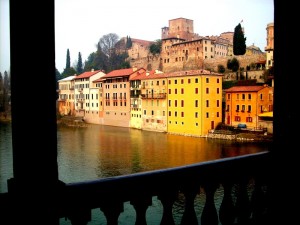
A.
pixel 107 43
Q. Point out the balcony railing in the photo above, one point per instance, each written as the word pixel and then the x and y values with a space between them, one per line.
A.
pixel 243 181
pixel 155 96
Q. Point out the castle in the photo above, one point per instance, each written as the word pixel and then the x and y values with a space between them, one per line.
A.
pixel 182 49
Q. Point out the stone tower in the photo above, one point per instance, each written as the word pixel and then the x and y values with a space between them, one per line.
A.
pixel 179 28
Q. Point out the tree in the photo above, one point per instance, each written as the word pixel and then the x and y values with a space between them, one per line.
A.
pixel 79 67
pixel 155 48
pixel 107 43
pixel 128 42
pixel 233 64
pixel 68 60
pixel 221 68
pixel 239 41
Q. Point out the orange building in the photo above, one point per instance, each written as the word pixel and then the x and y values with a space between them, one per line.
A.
pixel 245 103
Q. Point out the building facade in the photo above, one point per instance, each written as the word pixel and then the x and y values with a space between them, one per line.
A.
pixel 244 104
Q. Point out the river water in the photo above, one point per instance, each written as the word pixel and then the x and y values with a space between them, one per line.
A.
pixel 97 151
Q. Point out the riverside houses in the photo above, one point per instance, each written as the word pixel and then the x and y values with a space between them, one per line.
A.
pixel 149 109
pixel 183 102
pixel 65 103
pixel 194 101
pixel 244 104
pixel 116 96
pixel 87 95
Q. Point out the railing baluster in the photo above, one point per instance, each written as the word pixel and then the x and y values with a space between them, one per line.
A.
pixel 209 214
pixel 259 203
pixel 141 205
pixel 167 199
pixel 189 215
pixel 112 211
pixel 243 203
pixel 80 216
pixel 226 212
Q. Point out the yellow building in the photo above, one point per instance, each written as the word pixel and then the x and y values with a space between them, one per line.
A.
pixel 194 102
pixel 245 103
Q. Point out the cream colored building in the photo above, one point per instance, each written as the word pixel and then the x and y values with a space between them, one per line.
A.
pixel 65 102
pixel 86 96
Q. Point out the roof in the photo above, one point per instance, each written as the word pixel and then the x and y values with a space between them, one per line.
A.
pixel 67 78
pixel 119 73
pixel 245 88
pixel 156 75
pixel 141 42
pixel 266 114
pixel 87 74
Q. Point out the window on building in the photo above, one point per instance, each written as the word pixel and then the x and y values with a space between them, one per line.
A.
pixel 249 108
pixel 237 118
pixel 249 119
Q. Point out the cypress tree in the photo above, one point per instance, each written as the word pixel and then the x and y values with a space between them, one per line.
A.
pixel 68 62
pixel 239 41
pixel 79 64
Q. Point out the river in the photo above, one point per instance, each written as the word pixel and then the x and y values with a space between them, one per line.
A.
pixel 97 151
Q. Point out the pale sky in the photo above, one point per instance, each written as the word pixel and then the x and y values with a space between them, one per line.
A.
pixel 79 24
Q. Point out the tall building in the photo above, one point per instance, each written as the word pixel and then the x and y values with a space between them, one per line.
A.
pixel 270 45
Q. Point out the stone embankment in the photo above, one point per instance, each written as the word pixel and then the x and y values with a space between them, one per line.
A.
pixel 72 121
pixel 240 136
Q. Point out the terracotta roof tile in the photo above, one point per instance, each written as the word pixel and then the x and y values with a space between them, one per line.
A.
pixel 87 74
pixel 119 73
pixel 245 89
pixel 153 75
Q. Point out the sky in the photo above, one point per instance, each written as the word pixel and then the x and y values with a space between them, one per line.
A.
pixel 79 24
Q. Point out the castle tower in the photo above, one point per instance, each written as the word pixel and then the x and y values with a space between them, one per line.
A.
pixel 270 45
pixel 179 28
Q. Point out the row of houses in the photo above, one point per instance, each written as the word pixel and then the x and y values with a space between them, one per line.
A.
pixel 182 102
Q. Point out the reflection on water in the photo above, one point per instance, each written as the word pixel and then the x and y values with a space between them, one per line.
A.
pixel 103 151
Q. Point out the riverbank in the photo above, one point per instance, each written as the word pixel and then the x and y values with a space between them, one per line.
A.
pixel 240 137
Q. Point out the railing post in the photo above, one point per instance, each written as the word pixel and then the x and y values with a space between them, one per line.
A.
pixel 209 215
pixel 226 212
pixel 167 199
pixel 112 211
pixel 141 205
pixel 189 215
